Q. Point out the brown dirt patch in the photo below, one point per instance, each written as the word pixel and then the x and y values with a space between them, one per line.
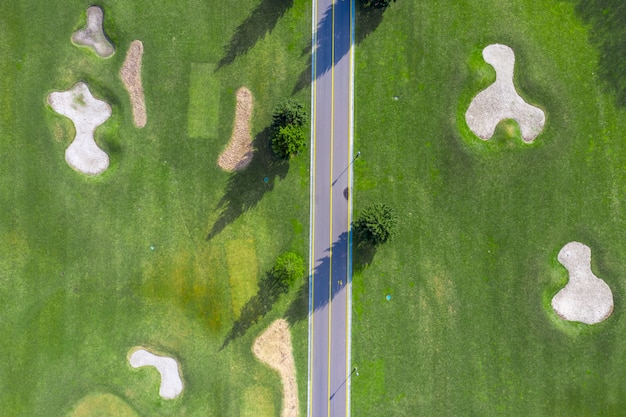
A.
pixel 239 151
pixel 131 77
pixel 273 347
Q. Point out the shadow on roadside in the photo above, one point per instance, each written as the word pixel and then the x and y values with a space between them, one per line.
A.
pixel 256 308
pixel 367 20
pixel 608 34
pixel 259 23
pixel 247 187
pixel 362 256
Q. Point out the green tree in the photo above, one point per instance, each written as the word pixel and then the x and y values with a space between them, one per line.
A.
pixel 289 267
pixel 288 141
pixel 289 112
pixel 376 224
pixel 376 4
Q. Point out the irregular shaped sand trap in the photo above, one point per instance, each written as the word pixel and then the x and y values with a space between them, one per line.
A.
pixel 238 154
pixel 273 347
pixel 130 73
pixel 500 100
pixel 585 298
pixel 87 113
pixel 93 36
pixel 171 383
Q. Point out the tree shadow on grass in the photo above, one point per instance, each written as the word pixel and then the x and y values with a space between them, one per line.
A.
pixel 246 188
pixel 362 256
pixel 261 21
pixel 367 20
pixel 257 307
pixel 608 33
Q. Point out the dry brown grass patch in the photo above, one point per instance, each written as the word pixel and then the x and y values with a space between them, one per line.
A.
pixel 273 347
pixel 131 77
pixel 239 151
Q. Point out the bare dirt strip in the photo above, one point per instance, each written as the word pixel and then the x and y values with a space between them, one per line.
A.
pixel 238 154
pixel 273 347
pixel 131 77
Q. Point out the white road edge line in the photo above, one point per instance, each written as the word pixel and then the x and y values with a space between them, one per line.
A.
pixel 311 200
pixel 351 193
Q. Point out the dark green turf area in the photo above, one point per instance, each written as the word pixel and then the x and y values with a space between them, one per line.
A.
pixel 90 267
pixel 469 330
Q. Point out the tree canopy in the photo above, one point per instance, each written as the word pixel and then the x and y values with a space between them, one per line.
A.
pixel 289 267
pixel 289 112
pixel 289 141
pixel 288 135
pixel 376 224
pixel 376 4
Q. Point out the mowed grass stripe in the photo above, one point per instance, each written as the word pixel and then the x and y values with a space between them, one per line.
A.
pixel 243 271
pixel 204 101
pixel 257 402
pixel 103 405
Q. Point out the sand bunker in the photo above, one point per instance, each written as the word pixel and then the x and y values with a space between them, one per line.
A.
pixel 273 347
pixel 239 152
pixel 131 77
pixel 585 298
pixel 500 101
pixel 171 383
pixel 87 113
pixel 93 35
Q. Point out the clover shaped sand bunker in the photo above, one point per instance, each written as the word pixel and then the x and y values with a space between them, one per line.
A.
pixel 500 100
pixel 171 383
pixel 87 113
pixel 585 298
pixel 92 35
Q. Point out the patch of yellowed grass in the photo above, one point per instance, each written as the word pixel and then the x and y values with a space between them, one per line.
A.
pixel 103 405
pixel 257 402
pixel 243 272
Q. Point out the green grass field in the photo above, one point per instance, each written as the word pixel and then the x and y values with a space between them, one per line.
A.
pixel 469 330
pixel 90 267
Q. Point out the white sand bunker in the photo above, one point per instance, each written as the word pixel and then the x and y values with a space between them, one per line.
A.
pixel 130 73
pixel 273 347
pixel 87 113
pixel 585 298
pixel 93 35
pixel 239 152
pixel 171 383
pixel 500 101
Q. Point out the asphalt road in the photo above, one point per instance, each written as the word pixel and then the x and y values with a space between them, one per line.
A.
pixel 331 180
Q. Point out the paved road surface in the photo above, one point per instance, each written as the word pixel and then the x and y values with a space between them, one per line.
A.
pixel 331 179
